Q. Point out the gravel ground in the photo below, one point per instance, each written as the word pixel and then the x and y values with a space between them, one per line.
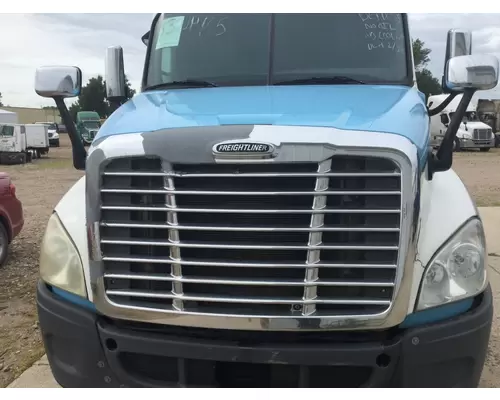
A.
pixel 40 186
pixel 481 174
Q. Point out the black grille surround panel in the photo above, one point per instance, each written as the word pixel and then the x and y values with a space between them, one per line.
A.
pixel 264 240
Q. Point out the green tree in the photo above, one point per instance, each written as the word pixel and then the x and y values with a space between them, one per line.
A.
pixel 1 104
pixel 93 97
pixel 74 109
pixel 129 92
pixel 426 82
pixel 420 54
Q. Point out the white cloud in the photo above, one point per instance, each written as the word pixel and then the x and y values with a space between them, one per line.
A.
pixel 31 40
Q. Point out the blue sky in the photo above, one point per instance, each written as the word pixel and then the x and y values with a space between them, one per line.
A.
pixel 81 39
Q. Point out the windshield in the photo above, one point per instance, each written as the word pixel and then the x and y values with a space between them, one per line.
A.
pixel 91 124
pixel 51 126
pixel 262 49
pixel 472 116
pixel 6 130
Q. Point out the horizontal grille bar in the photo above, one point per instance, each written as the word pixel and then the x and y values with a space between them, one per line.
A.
pixel 244 229
pixel 244 265
pixel 253 282
pixel 260 175
pixel 231 193
pixel 227 246
pixel 252 211
pixel 216 299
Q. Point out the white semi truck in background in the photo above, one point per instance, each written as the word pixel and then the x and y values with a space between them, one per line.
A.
pixel 21 143
pixel 14 145
pixel 267 213
pixel 472 133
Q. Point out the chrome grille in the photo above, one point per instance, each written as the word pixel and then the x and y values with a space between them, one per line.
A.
pixel 269 239
pixel 482 134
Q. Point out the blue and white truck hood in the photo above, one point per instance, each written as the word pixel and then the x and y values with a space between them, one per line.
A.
pixel 384 109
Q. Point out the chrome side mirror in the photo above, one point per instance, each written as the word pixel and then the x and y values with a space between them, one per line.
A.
pixel 466 71
pixel 479 72
pixel 115 73
pixel 58 81
pixel 458 43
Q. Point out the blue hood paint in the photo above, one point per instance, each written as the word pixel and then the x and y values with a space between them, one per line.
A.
pixel 392 109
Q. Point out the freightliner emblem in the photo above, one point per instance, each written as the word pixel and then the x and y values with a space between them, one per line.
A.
pixel 243 149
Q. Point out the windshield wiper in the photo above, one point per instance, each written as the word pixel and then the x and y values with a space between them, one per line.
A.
pixel 325 80
pixel 186 83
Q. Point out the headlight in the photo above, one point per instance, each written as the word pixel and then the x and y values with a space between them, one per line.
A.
pixel 458 270
pixel 60 263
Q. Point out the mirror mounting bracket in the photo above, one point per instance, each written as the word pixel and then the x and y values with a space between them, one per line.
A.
pixel 442 160
pixel 79 152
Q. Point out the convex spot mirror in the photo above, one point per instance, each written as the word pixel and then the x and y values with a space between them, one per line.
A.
pixel 58 81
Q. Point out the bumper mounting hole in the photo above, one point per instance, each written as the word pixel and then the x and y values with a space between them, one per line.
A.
pixel 111 344
pixel 383 360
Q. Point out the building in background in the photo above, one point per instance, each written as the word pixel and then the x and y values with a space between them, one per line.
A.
pixel 8 117
pixel 27 115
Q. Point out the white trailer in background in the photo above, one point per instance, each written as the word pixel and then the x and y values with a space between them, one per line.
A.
pixel 37 139
pixel 8 117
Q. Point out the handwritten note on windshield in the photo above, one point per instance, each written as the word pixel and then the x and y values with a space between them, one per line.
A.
pixel 205 25
pixel 383 31
pixel 170 32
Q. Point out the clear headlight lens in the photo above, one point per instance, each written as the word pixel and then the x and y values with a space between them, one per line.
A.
pixel 458 270
pixel 60 263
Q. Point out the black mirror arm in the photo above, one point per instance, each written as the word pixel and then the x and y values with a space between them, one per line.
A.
pixel 442 106
pixel 442 160
pixel 79 152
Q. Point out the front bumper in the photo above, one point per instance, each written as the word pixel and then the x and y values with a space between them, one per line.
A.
pixel 88 350
pixel 476 144
pixel 54 142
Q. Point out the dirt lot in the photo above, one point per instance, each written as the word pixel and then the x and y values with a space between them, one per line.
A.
pixel 481 174
pixel 41 184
